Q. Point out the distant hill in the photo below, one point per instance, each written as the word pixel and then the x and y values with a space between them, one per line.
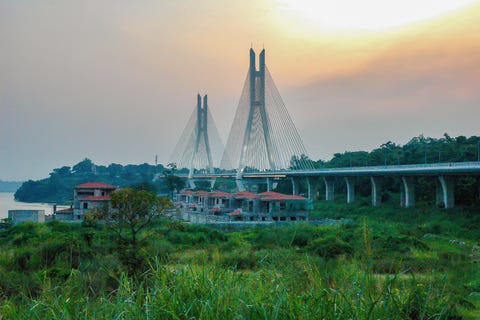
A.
pixel 9 186
pixel 58 187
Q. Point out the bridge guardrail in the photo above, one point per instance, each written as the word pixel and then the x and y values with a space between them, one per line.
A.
pixel 428 168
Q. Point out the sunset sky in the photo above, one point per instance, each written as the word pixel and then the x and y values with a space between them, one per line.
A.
pixel 116 80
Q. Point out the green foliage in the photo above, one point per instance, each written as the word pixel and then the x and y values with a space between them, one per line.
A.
pixel 131 211
pixel 330 247
pixel 172 181
pixel 381 264
pixel 59 185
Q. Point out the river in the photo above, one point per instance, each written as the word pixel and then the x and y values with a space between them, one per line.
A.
pixel 7 202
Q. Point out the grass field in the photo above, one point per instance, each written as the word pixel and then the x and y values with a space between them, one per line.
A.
pixel 387 263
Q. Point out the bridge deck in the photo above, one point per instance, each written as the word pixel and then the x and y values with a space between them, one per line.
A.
pixel 452 168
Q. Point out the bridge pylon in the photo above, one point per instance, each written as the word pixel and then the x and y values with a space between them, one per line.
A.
pixel 199 145
pixel 263 136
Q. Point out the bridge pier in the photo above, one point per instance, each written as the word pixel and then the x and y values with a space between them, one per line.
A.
pixel 448 187
pixel 350 189
pixel 376 191
pixel 295 186
pixel 438 193
pixel 329 188
pixel 270 183
pixel 312 187
pixel 240 184
pixel 408 194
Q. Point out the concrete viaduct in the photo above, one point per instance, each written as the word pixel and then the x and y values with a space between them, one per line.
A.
pixel 445 172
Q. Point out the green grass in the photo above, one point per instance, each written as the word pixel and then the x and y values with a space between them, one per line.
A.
pixel 387 263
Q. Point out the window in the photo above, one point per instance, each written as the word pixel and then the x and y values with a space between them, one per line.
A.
pixel 85 193
pixel 85 205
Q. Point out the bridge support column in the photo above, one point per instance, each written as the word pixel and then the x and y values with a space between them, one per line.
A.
pixel 376 191
pixel 312 187
pixel 295 186
pixel 191 184
pixel 408 192
pixel 438 193
pixel 240 184
pixel 350 190
pixel 448 196
pixel 269 184
pixel 329 188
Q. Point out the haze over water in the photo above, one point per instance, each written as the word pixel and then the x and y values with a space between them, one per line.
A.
pixel 7 202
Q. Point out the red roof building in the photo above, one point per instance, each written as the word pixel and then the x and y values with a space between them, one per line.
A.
pixel 89 196
pixel 95 185
pixel 245 195
pixel 275 196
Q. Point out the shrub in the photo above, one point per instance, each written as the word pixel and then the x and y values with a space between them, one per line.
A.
pixel 330 247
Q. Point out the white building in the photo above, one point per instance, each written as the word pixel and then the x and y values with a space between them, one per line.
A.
pixel 19 216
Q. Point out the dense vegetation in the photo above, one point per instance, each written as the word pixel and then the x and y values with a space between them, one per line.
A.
pixel 380 263
pixel 58 186
pixel 418 150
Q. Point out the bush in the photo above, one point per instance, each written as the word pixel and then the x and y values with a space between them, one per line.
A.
pixel 330 247
pixel 239 259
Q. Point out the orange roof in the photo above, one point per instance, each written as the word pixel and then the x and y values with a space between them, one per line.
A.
pixel 97 198
pixel 275 196
pixel 220 194
pixel 200 193
pixel 245 195
pixel 95 185
pixel 187 192
pixel 235 213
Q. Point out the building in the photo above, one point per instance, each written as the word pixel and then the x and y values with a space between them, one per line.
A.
pixel 86 197
pixel 64 214
pixel 245 206
pixel 19 216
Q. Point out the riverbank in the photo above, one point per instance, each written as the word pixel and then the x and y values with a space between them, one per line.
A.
pixel 7 202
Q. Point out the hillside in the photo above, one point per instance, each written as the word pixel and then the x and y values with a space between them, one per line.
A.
pixel 58 187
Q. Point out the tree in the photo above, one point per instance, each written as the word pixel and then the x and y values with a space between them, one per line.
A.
pixel 147 186
pixel 131 211
pixel 171 180
pixel 62 172
pixel 84 166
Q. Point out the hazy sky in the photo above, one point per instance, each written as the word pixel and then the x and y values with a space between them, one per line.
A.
pixel 116 80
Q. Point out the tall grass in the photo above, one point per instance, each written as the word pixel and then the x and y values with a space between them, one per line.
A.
pixel 376 267
pixel 213 292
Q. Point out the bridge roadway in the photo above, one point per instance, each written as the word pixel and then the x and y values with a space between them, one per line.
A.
pixel 429 169
pixel 444 171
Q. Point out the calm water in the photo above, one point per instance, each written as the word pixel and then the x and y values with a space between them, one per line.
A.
pixel 7 202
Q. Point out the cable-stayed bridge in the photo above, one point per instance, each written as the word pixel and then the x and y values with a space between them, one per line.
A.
pixel 199 146
pixel 264 144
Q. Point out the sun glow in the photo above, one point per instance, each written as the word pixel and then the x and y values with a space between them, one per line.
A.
pixel 368 15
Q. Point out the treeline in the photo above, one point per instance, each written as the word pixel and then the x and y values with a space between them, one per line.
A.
pixel 419 150
pixel 58 187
